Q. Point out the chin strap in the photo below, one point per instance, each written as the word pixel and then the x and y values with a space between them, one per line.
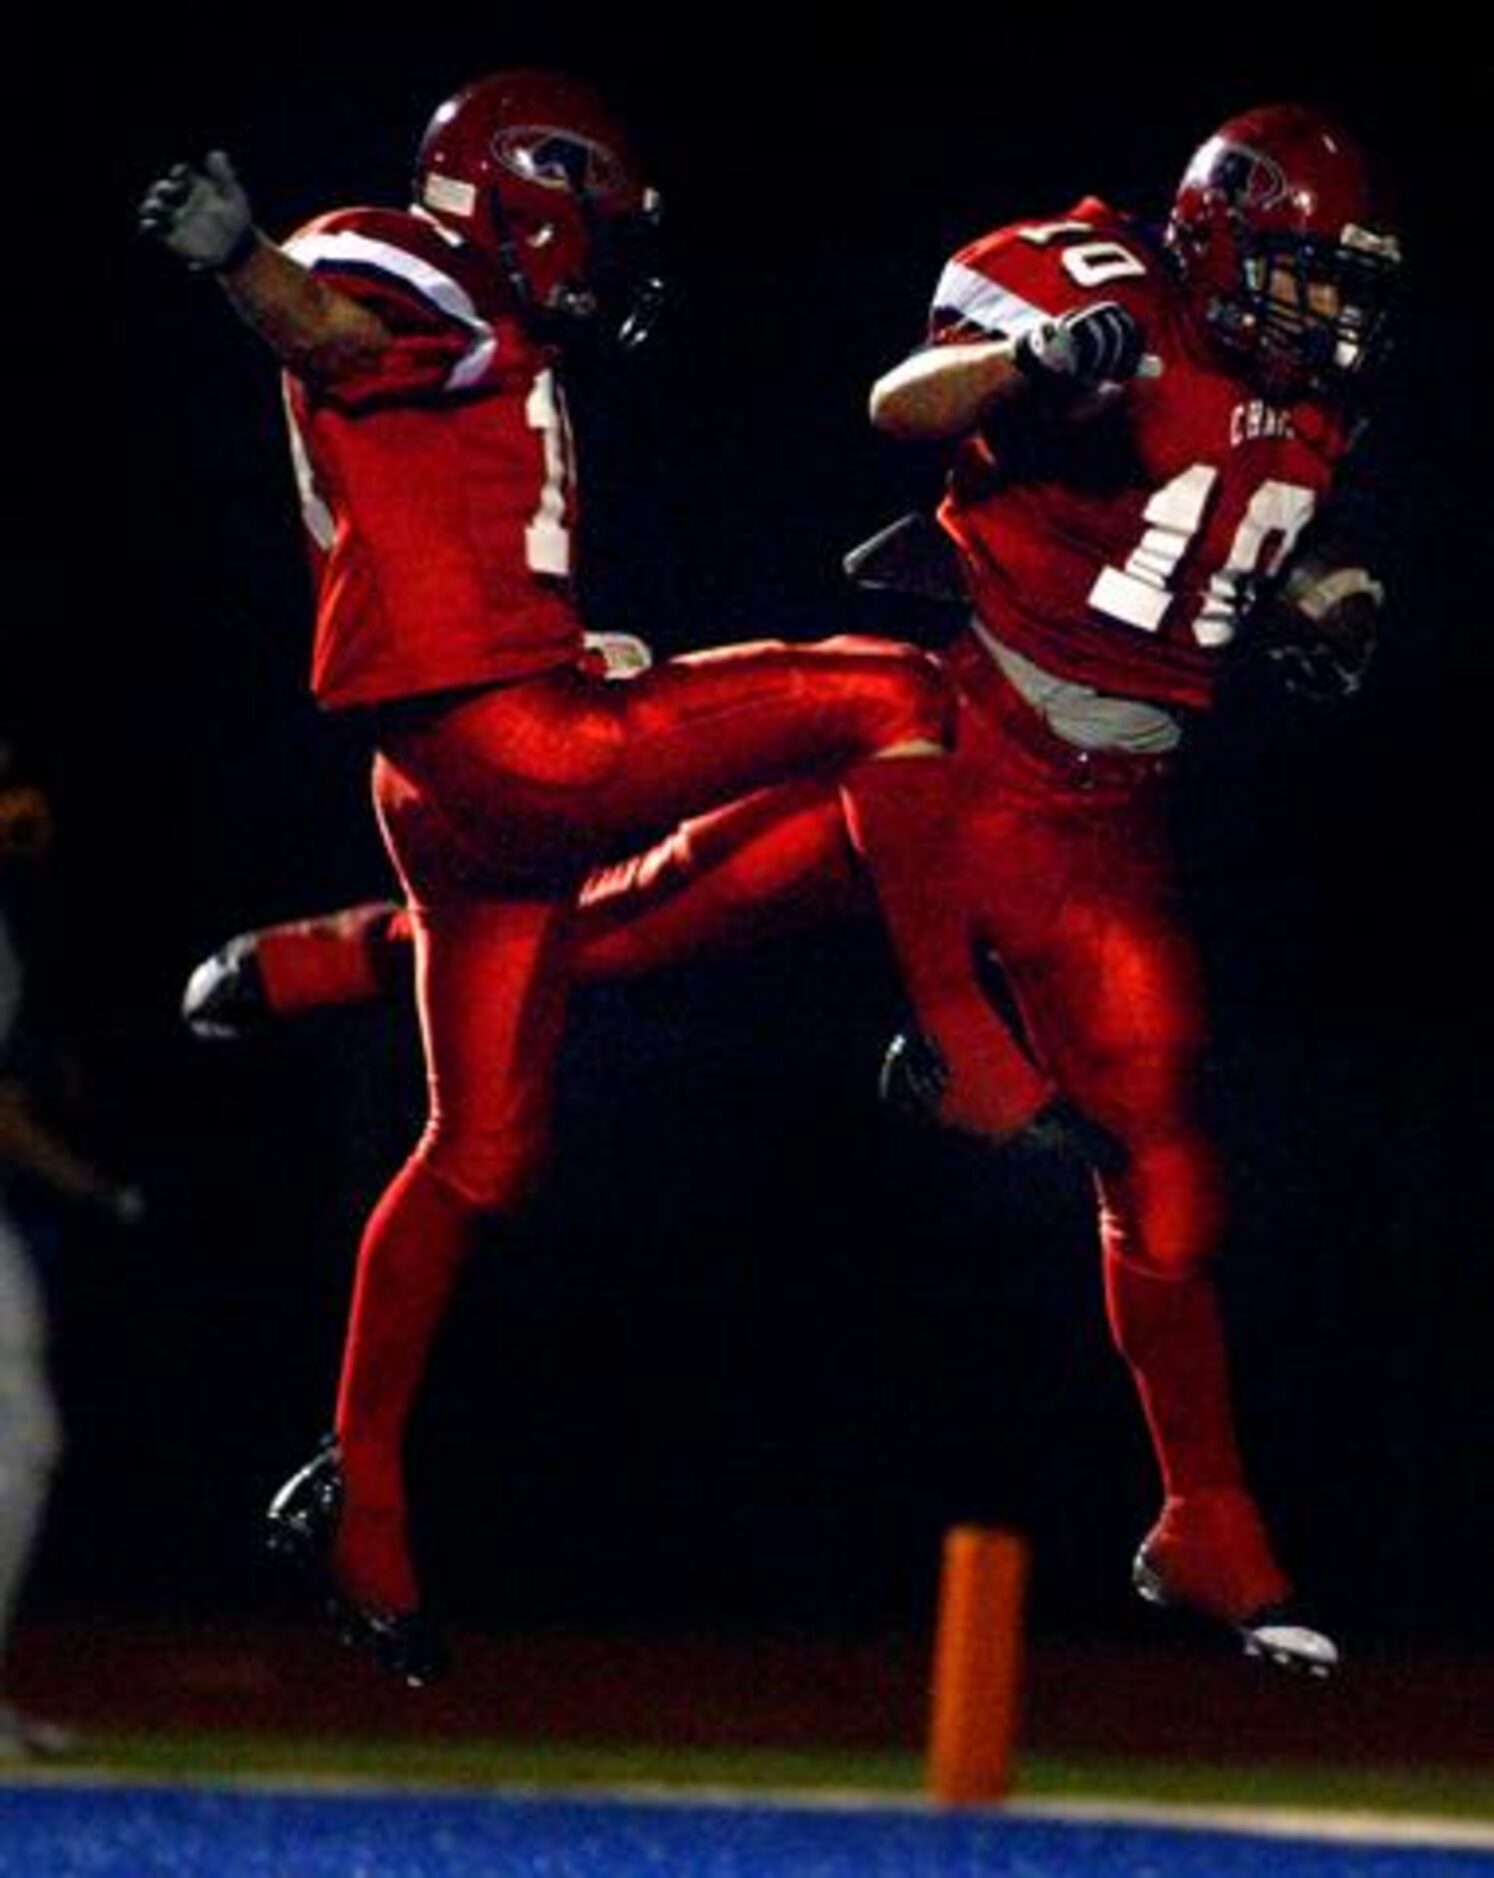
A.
pixel 511 264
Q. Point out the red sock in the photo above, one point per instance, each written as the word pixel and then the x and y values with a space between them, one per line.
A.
pixel 1170 1332
pixel 340 958
pixel 902 822
pixel 413 1249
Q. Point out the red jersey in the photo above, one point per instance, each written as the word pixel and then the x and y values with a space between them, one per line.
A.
pixel 437 482
pixel 1120 552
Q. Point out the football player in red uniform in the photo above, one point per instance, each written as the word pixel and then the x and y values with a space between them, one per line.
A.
pixel 421 351
pixel 1144 434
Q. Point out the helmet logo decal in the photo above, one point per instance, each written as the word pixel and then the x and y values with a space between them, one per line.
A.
pixel 559 159
pixel 1248 179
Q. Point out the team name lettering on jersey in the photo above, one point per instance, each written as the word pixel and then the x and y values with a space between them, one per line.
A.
pixel 1256 418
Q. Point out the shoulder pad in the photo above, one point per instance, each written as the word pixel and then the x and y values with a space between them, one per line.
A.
pixel 1007 281
pixel 399 252
pixel 391 228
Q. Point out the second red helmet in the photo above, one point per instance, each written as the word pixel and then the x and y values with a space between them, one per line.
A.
pixel 535 168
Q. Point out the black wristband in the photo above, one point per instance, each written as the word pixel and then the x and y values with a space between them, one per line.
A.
pixel 1045 391
pixel 1027 362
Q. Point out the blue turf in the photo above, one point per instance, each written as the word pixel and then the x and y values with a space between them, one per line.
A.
pixel 147 1832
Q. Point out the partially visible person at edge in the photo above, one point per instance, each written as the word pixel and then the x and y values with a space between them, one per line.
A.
pixel 422 350
pixel 1145 435
pixel 44 1179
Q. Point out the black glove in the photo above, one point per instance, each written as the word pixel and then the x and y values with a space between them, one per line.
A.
pixel 201 215
pixel 1092 345
pixel 1325 662
pixel 1322 632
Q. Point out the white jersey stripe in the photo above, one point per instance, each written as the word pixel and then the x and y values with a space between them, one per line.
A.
pixel 981 302
pixel 469 369
pixel 350 249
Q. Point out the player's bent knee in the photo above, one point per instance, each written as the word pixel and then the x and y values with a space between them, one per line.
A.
pixel 496 1174
pixel 1177 1265
pixel 913 700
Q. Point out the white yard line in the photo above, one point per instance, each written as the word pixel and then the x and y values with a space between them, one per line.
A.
pixel 1351 1825
pixel 1337 1824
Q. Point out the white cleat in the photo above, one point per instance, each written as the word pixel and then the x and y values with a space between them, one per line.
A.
pixel 1277 1634
pixel 1281 1639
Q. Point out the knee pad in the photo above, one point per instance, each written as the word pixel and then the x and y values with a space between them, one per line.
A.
pixel 911 686
pixel 483 1174
pixel 920 697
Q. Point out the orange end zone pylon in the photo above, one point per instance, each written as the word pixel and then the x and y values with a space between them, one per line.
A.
pixel 977 1665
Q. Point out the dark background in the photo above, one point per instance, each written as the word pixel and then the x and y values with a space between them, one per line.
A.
pixel 757 1346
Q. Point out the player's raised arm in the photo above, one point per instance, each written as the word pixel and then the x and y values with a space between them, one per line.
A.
pixel 202 215
pixel 950 390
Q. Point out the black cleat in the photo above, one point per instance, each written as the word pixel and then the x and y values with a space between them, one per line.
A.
pixel 914 1079
pixel 404 1644
pixel 301 1526
pixel 914 1076
pixel 225 996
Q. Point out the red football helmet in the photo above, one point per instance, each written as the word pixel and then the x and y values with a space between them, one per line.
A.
pixel 1286 245
pixel 535 168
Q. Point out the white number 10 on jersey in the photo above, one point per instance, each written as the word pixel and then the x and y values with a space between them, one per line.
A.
pixel 547 539
pixel 1141 592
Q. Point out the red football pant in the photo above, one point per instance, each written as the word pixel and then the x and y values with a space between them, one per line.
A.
pixel 493 808
pixel 1067 866
pixel 776 862
pixel 1066 877
pixel 357 953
